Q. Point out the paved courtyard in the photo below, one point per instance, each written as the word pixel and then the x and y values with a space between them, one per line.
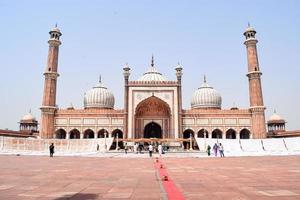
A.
pixel 41 177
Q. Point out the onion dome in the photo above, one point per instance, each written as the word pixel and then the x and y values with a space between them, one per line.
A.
pixel 206 97
pixel 152 74
pixel 99 97
pixel 28 117
pixel 275 118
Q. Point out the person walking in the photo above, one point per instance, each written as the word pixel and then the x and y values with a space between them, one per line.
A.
pixel 51 149
pixel 216 148
pixel 160 149
pixel 126 148
pixel 208 150
pixel 150 147
pixel 221 150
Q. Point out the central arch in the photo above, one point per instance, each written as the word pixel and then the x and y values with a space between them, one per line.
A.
pixel 152 130
pixel 153 119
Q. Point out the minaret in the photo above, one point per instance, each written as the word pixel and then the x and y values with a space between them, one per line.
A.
pixel 126 73
pixel 257 107
pixel 178 70
pixel 49 97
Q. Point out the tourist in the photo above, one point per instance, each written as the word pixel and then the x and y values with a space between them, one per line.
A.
pixel 150 148
pixel 208 150
pixel 221 150
pixel 51 149
pixel 160 149
pixel 135 148
pixel 216 148
pixel 97 147
pixel 125 148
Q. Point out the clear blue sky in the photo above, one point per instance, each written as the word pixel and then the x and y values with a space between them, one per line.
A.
pixel 99 37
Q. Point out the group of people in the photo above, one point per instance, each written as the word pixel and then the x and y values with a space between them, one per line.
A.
pixel 159 149
pixel 218 147
pixel 137 148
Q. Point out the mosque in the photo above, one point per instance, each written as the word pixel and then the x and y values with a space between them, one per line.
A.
pixel 153 106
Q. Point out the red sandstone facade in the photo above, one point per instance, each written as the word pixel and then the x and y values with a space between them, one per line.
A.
pixel 152 106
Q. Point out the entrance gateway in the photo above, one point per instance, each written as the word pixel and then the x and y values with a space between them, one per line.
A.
pixel 152 130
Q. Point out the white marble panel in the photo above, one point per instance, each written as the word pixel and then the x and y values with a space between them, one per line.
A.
pixel 244 121
pixel 103 121
pixel 188 121
pixel 216 121
pixel 89 121
pixel 75 121
pixel 61 121
pixel 230 121
pixel 117 121
pixel 203 121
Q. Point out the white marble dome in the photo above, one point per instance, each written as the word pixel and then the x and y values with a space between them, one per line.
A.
pixel 99 97
pixel 206 97
pixel 28 117
pixel 152 74
pixel 275 117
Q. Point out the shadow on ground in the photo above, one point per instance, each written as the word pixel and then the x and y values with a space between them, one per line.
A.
pixel 79 196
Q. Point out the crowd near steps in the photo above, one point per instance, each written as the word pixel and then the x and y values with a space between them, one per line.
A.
pixel 253 147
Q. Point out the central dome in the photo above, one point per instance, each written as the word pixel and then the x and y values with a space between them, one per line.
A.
pixel 206 97
pixel 99 97
pixel 152 74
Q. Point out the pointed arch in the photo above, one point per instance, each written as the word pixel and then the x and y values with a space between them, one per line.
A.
pixel 217 133
pixel 102 133
pixel 203 133
pixel 60 134
pixel 245 134
pixel 88 133
pixel 152 106
pixel 74 134
pixel 230 134
pixel 187 133
pixel 117 131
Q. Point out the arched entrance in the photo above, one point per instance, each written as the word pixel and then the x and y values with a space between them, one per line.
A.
pixel 74 134
pixel 217 133
pixel 245 134
pixel 187 134
pixel 153 119
pixel 102 133
pixel 203 133
pixel 230 134
pixel 60 134
pixel 88 134
pixel 114 134
pixel 152 130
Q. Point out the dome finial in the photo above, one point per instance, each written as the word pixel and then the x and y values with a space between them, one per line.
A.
pixel 274 111
pixel 248 24
pixel 152 61
pixel 56 25
pixel 204 78
pixel 100 78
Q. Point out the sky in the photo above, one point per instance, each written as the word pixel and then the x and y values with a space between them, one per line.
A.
pixel 99 37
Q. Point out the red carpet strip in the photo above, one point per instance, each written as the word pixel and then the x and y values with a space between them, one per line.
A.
pixel 169 186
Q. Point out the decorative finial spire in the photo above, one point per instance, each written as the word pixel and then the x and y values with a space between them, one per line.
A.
pixel 274 111
pixel 56 25
pixel 248 24
pixel 152 61
pixel 30 110
pixel 100 78
pixel 204 79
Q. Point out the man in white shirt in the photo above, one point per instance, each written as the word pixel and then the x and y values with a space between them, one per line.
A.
pixel 160 149
pixel 150 147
